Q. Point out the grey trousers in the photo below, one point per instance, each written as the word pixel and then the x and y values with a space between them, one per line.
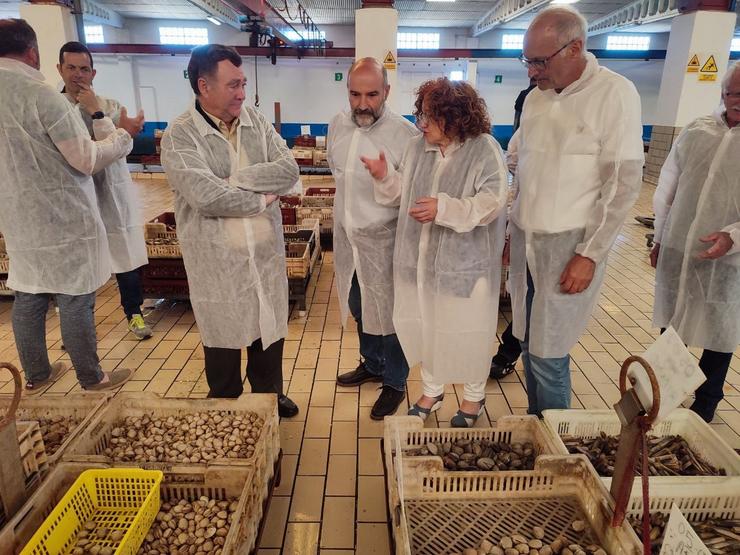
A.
pixel 78 334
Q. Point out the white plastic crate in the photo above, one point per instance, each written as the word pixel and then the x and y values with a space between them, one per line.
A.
pixel 704 441
pixel 446 512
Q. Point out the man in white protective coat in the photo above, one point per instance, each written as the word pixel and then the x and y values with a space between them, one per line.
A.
pixel 365 231
pixel 227 166
pixel 55 238
pixel 579 173
pixel 697 241
pixel 114 189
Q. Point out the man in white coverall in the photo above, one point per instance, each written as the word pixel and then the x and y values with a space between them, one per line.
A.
pixel 579 173
pixel 227 166
pixel 365 231
pixel 113 186
pixel 49 216
pixel 697 241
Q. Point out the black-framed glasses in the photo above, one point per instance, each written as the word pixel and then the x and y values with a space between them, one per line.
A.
pixel 541 63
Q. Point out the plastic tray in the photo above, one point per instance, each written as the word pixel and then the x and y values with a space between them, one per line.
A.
pixel 449 512
pixel 31 444
pixel 125 499
pixel 698 434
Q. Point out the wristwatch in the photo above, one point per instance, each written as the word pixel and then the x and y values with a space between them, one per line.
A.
pixel 98 115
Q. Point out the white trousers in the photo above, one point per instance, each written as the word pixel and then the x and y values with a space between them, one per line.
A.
pixel 472 391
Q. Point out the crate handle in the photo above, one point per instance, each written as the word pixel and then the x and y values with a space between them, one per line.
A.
pixel 10 415
pixel 652 415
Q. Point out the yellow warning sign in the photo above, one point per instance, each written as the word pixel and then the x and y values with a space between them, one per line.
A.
pixel 707 77
pixel 693 66
pixel 710 66
pixel 389 62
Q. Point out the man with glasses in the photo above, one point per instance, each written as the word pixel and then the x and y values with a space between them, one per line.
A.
pixel 697 241
pixel 579 173
pixel 365 231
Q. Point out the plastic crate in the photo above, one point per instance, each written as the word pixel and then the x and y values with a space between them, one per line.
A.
pixel 449 512
pixel 125 499
pixel 4 264
pixel 288 215
pixel 89 447
pixel 704 441
pixel 4 289
pixel 31 445
pixel 324 215
pixel 77 407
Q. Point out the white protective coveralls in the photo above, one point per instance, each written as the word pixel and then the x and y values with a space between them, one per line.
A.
pixel 447 274
pixel 231 241
pixel 49 215
pixel 117 199
pixel 579 172
pixel 699 193
pixel 365 231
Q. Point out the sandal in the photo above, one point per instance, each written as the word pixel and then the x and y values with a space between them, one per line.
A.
pixel 423 413
pixel 467 420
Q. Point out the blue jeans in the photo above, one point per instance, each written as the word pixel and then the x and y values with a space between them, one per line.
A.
pixel 382 354
pixel 548 379
pixel 77 323
pixel 129 286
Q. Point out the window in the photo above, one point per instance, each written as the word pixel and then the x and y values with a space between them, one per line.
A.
pixel 735 45
pixel 456 75
pixel 512 42
pixel 296 37
pixel 183 35
pixel 418 40
pixel 94 34
pixel 628 42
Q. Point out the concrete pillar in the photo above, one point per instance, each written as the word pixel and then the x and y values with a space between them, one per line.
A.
pixel 471 73
pixel 698 41
pixel 54 25
pixel 375 35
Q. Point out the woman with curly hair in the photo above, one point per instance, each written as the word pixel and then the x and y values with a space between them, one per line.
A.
pixel 451 187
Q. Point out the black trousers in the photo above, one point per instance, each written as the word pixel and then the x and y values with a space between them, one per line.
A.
pixel 264 369
pixel 129 286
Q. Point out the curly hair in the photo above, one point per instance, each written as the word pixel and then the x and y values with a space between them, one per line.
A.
pixel 455 106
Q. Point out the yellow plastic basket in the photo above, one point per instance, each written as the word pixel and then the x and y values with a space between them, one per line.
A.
pixel 124 499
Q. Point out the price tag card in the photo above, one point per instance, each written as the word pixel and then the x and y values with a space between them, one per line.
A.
pixel 305 129
pixel 680 538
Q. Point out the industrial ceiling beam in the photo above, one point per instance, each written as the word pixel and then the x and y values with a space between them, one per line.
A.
pixel 220 10
pixel 639 12
pixel 92 12
pixel 282 28
pixel 503 12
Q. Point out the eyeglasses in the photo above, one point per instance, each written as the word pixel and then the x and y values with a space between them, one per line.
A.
pixel 541 63
pixel 422 119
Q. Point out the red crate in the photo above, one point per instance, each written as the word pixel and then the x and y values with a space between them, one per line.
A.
pixel 320 191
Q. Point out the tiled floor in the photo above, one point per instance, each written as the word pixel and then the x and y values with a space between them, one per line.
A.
pixel 331 499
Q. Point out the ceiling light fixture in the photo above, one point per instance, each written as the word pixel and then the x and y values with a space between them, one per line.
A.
pixel 563 1
pixel 213 20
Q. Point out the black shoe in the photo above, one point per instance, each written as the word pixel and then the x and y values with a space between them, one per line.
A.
pixel 388 402
pixel 646 221
pixel 500 367
pixel 358 376
pixel 705 413
pixel 286 407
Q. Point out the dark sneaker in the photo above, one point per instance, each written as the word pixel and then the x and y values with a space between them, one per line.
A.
pixel 500 367
pixel 646 221
pixel 358 376
pixel 388 402
pixel 705 413
pixel 286 407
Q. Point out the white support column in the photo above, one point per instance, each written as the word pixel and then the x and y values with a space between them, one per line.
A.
pixel 471 73
pixel 375 35
pixel 697 57
pixel 54 25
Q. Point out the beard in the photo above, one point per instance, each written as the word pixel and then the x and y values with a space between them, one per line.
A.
pixel 366 118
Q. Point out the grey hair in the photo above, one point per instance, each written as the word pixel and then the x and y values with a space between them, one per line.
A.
pixel 569 23
pixel 371 61
pixel 731 69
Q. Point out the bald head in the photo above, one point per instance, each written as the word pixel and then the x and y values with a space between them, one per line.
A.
pixel 367 85
pixel 562 23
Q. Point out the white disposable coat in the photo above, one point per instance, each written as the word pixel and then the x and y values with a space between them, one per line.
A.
pixel 447 273
pixel 579 172
pixel 232 243
pixel 365 231
pixel 699 193
pixel 49 216
pixel 117 199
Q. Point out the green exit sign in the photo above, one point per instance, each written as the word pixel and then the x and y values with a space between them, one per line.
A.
pixel 338 76
pixel 498 79
pixel 185 74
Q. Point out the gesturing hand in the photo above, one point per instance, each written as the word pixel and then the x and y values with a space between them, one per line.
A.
pixel 378 168
pixel 132 125
pixel 577 275
pixel 425 210
pixel 88 100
